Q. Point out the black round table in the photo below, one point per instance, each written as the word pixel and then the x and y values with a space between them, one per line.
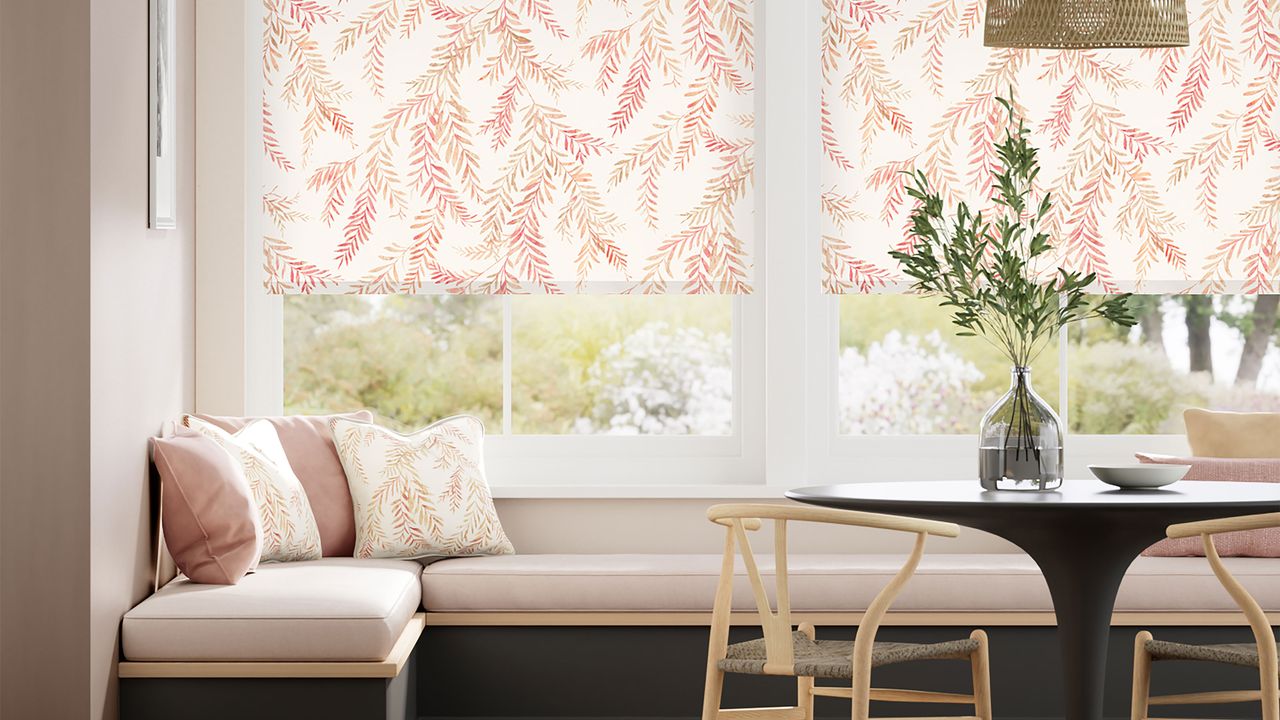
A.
pixel 1083 536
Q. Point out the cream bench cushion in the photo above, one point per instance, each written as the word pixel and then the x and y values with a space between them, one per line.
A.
pixel 334 609
pixel 819 583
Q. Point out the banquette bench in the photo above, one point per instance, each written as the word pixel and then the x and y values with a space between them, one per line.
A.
pixel 616 636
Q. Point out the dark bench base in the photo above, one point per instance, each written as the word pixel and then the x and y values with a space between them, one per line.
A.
pixel 635 673
pixel 483 673
pixel 271 698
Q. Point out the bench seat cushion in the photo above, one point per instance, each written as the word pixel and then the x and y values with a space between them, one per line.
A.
pixel 335 609
pixel 819 583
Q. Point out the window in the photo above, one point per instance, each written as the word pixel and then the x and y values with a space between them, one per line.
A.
pixel 902 370
pixel 622 365
pixel 643 365
pixel 721 396
pixel 1187 350
pixel 411 360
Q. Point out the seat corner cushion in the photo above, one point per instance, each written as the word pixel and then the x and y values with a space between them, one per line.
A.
pixel 334 609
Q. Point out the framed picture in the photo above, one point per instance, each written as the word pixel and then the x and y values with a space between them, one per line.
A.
pixel 161 117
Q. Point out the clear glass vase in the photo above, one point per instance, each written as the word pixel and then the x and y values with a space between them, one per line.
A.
pixel 1020 443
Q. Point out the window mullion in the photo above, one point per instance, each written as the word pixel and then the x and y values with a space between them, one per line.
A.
pixel 1064 402
pixel 507 350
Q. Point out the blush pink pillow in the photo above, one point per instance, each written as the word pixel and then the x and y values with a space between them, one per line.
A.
pixel 1250 543
pixel 207 513
pixel 308 443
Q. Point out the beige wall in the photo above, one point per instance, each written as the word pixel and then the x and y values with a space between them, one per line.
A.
pixel 44 342
pixel 142 300
pixel 680 526
pixel 96 340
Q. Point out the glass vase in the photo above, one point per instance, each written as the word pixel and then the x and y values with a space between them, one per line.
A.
pixel 1020 443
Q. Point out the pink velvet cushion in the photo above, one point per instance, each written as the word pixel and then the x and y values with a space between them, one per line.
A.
pixel 308 443
pixel 1251 543
pixel 210 521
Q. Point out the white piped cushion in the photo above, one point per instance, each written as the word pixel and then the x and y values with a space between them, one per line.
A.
pixel 335 609
pixel 420 494
pixel 289 530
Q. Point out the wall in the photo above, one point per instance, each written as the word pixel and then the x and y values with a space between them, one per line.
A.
pixel 44 346
pixel 681 526
pixel 142 300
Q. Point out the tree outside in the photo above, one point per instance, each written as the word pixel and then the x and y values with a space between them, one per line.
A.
pixel 410 360
pixel 1208 351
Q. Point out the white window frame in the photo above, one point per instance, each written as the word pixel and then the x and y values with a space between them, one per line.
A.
pixel 785 334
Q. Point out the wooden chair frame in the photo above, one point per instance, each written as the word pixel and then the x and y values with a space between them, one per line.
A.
pixel 1268 693
pixel 741 518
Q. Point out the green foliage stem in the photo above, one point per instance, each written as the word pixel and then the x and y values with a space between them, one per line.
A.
pixel 988 270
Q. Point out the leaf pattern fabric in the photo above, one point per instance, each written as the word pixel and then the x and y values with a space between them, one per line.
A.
pixel 422 494
pixel 503 146
pixel 1164 164
pixel 289 530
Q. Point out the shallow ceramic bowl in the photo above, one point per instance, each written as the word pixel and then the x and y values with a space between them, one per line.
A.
pixel 1139 477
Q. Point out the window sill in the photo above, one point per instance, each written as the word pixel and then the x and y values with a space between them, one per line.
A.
pixel 654 492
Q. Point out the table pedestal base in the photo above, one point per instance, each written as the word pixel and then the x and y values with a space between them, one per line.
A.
pixel 1083 580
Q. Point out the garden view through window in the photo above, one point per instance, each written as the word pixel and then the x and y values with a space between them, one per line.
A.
pixel 621 365
pixel 902 370
pixel 664 365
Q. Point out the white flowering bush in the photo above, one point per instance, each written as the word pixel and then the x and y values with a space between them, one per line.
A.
pixel 662 381
pixel 908 385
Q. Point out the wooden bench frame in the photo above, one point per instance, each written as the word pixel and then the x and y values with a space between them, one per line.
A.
pixel 424 621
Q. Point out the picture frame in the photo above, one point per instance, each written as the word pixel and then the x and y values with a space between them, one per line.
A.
pixel 161 117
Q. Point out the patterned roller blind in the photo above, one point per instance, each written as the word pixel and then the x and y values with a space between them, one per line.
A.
pixel 499 146
pixel 1164 164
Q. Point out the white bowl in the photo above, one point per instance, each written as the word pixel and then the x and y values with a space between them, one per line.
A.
pixel 1139 476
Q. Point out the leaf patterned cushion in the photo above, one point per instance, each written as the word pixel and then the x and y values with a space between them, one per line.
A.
pixel 422 494
pixel 289 530
pixel 308 442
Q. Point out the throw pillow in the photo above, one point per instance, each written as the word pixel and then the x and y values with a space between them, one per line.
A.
pixel 1250 543
pixel 210 521
pixel 421 494
pixel 1232 435
pixel 308 443
pixel 289 529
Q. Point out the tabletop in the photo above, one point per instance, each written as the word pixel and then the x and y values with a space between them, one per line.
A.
pixel 908 495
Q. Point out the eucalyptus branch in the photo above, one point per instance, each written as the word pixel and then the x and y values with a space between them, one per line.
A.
pixel 987 271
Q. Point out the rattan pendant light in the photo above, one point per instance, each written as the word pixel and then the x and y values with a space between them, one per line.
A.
pixel 1086 23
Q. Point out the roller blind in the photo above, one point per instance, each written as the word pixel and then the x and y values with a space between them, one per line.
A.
pixel 1164 164
pixel 420 146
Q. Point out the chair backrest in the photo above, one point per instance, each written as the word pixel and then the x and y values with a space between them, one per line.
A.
pixel 775 623
pixel 1263 635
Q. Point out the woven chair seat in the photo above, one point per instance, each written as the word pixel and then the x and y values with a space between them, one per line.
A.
pixel 833 659
pixel 1243 654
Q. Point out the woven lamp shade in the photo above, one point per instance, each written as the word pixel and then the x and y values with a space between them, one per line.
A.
pixel 1086 23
